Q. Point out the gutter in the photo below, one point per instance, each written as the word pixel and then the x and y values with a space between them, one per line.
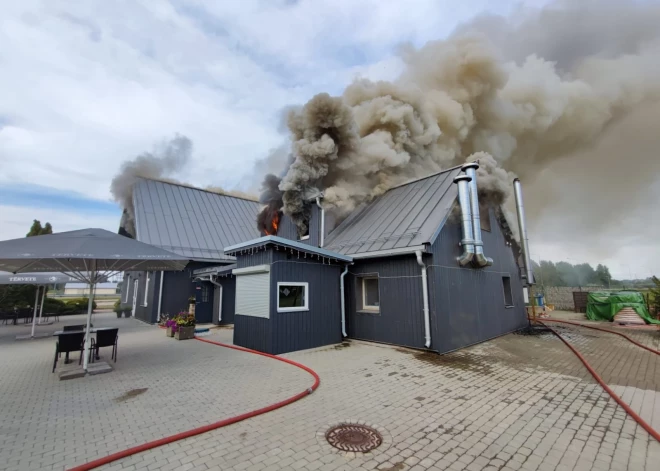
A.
pixel 219 300
pixel 343 301
pixel 425 296
pixel 387 252
pixel 160 295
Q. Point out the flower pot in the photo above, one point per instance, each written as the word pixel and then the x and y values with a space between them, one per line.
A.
pixel 118 314
pixel 169 332
pixel 185 333
pixel 127 314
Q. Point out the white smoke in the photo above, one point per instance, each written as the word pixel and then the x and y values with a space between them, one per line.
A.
pixel 530 91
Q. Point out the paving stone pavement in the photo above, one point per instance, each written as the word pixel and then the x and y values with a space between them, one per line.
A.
pixel 517 402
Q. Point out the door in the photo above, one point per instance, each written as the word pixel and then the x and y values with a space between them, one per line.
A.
pixel 135 297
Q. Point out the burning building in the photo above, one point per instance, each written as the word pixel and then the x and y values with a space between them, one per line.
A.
pixel 428 264
pixel 197 224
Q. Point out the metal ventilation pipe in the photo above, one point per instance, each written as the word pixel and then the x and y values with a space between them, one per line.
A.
pixel 480 259
pixel 466 219
pixel 522 228
pixel 322 216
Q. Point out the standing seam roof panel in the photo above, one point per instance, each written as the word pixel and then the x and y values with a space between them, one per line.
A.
pixel 402 222
pixel 389 221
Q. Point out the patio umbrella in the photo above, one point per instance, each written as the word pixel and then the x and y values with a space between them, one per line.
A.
pixel 88 255
pixel 41 280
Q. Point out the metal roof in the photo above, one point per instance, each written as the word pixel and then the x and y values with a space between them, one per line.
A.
pixel 282 242
pixel 404 218
pixel 192 222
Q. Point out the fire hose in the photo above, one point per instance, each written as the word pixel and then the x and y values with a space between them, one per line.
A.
pixel 216 425
pixel 602 383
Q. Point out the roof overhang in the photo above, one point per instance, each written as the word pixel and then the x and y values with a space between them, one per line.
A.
pixel 217 270
pixel 391 252
pixel 281 242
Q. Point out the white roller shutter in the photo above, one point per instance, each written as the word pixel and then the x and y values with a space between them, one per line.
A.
pixel 252 294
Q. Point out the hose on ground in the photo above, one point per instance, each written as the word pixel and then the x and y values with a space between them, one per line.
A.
pixel 207 428
pixel 657 352
pixel 600 381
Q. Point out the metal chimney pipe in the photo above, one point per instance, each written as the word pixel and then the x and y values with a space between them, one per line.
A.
pixel 522 227
pixel 322 216
pixel 479 258
pixel 466 219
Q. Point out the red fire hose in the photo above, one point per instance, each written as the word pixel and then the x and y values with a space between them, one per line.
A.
pixel 600 381
pixel 213 426
pixel 657 352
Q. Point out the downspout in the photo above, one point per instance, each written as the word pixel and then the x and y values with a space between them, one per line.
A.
pixel 466 220
pixel 522 228
pixel 322 239
pixel 479 258
pixel 425 296
pixel 220 300
pixel 343 301
pixel 160 295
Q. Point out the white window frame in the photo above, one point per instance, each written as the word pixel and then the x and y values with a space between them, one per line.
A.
pixel 128 288
pixel 365 306
pixel 293 309
pixel 146 290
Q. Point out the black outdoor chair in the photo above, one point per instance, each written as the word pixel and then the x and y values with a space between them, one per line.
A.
pixel 70 342
pixel 5 317
pixel 75 328
pixel 104 338
pixel 26 314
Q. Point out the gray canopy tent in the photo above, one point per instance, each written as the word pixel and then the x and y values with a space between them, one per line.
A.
pixel 41 280
pixel 88 255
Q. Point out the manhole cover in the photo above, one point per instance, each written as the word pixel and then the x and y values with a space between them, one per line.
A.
pixel 353 437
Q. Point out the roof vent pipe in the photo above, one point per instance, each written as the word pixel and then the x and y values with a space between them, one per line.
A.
pixel 466 220
pixel 480 259
pixel 522 228
pixel 322 237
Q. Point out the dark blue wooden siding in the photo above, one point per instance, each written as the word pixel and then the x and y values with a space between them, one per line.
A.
pixel 289 231
pixel 290 331
pixel 253 332
pixel 319 326
pixel 228 299
pixel 400 320
pixel 144 313
pixel 467 304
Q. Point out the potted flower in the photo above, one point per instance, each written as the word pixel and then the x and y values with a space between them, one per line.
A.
pixel 185 326
pixel 170 327
pixel 191 305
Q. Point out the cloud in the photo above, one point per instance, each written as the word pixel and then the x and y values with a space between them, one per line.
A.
pixel 16 220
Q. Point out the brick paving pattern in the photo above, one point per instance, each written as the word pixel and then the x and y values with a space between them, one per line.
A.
pixel 517 402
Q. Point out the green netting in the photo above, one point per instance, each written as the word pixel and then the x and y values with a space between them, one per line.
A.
pixel 604 305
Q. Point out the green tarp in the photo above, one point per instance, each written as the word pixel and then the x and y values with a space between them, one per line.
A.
pixel 604 305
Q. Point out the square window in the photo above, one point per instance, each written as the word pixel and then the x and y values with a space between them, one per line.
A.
pixel 370 294
pixel 508 295
pixel 292 297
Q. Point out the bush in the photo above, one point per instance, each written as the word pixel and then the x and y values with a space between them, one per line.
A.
pixel 79 305
pixel 56 306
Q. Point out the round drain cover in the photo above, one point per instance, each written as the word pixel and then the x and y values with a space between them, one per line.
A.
pixel 353 437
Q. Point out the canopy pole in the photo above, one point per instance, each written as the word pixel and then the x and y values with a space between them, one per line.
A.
pixel 90 304
pixel 41 308
pixel 34 315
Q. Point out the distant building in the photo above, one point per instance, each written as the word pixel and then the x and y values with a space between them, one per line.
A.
pixel 82 289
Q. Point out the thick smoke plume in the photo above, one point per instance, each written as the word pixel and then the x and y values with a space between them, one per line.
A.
pixel 518 94
pixel 167 159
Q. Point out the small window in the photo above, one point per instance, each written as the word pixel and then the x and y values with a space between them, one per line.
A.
pixel 508 295
pixel 205 293
pixel 370 294
pixel 292 297
pixel 146 289
pixel 305 236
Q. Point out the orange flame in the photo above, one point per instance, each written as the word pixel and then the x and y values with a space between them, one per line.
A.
pixel 274 223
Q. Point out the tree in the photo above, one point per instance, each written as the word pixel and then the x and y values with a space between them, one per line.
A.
pixel 36 229
pixel 655 295
pixel 603 276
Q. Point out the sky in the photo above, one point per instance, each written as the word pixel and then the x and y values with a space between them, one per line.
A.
pixel 86 85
